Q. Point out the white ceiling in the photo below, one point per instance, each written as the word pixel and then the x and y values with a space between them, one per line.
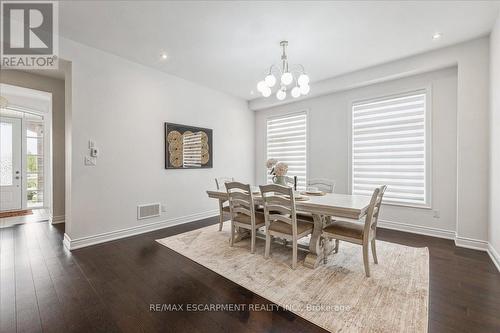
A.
pixel 229 45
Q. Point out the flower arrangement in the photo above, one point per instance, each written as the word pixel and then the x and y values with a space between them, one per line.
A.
pixel 276 168
pixel 280 169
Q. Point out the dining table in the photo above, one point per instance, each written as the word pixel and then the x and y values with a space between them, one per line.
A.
pixel 324 209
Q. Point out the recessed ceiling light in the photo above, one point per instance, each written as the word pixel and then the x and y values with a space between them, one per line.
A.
pixel 164 56
pixel 437 36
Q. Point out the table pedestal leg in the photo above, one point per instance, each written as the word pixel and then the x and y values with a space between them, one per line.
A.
pixel 241 234
pixel 316 245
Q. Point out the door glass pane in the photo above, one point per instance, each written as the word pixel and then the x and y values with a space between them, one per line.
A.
pixel 6 154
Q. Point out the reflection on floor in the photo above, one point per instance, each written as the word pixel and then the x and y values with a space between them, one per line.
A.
pixel 39 215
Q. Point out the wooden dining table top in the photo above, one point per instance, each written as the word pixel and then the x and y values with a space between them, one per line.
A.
pixel 330 204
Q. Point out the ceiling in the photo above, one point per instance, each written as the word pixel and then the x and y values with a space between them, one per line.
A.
pixel 229 45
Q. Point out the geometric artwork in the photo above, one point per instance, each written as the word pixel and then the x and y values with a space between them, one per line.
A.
pixel 187 147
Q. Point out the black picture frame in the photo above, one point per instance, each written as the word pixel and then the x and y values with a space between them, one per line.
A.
pixel 171 127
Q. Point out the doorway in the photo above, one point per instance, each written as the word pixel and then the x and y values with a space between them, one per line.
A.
pixel 25 164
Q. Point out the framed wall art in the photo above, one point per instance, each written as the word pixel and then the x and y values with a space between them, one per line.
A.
pixel 187 147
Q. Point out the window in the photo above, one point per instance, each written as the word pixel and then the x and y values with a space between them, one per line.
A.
pixel 34 162
pixel 287 142
pixel 389 138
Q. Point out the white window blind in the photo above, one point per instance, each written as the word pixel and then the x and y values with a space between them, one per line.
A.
pixel 389 147
pixel 287 142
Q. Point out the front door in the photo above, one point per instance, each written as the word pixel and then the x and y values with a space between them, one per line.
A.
pixel 10 164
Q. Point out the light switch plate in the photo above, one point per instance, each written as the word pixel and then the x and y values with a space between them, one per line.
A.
pixel 91 144
pixel 90 161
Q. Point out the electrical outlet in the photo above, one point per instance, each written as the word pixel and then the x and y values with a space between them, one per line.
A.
pixel 436 214
pixel 91 144
pixel 90 161
pixel 163 208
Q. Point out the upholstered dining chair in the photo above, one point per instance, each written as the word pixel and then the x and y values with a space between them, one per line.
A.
pixel 242 208
pixel 219 183
pixel 323 184
pixel 281 218
pixel 358 232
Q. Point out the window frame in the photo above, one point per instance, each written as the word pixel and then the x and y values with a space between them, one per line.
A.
pixel 374 97
pixel 284 115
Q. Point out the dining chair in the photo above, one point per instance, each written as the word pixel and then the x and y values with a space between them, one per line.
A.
pixel 219 183
pixel 281 218
pixel 242 208
pixel 358 232
pixel 323 184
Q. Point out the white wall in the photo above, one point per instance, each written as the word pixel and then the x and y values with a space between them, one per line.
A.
pixel 122 106
pixel 329 132
pixel 494 218
pixel 472 141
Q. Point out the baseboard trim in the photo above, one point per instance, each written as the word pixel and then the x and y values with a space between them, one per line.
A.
pixel 470 243
pixel 415 229
pixel 495 257
pixel 73 244
pixel 57 219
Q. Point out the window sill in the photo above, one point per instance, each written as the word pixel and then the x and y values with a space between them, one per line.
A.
pixel 397 204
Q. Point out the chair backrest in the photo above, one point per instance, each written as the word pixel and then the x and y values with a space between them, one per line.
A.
pixel 323 184
pixel 374 210
pixel 279 205
pixel 220 181
pixel 240 200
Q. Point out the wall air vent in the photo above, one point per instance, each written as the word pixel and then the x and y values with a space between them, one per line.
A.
pixel 148 211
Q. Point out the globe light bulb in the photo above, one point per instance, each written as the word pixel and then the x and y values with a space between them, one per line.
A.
pixel 270 80
pixel 303 80
pixel 281 94
pixel 295 92
pixel 305 89
pixel 261 86
pixel 266 92
pixel 286 78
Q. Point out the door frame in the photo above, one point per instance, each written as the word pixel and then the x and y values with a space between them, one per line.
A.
pixel 39 103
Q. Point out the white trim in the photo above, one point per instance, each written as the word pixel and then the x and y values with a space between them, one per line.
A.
pixel 495 257
pixel 72 244
pixel 471 243
pixel 416 229
pixel 57 219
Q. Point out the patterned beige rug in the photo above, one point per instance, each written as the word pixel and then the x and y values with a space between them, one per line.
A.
pixel 336 296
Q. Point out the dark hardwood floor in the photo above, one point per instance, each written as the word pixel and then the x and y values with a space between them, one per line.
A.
pixel 110 287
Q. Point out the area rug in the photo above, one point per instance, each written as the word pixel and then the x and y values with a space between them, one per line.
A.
pixel 16 213
pixel 336 296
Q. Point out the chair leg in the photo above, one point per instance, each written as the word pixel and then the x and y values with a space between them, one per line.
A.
pixel 252 246
pixel 365 260
pixel 294 253
pixel 337 244
pixel 231 242
pixel 268 245
pixel 221 215
pixel 374 252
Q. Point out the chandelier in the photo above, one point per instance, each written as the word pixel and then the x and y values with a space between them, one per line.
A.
pixel 290 75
